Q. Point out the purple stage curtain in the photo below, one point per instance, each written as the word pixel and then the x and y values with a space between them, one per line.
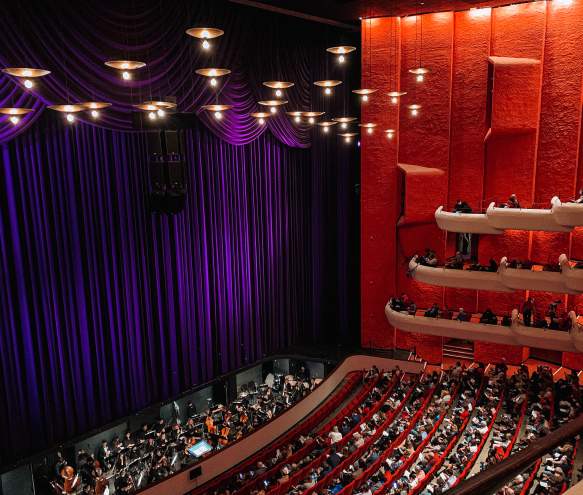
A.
pixel 107 308
pixel 73 40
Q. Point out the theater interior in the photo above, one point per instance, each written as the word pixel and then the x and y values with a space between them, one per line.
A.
pixel 291 247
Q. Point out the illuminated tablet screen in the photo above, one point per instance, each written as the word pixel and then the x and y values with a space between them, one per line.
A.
pixel 199 449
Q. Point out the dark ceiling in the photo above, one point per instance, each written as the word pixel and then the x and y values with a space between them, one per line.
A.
pixel 349 11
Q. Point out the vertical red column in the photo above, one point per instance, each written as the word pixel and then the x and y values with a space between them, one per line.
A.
pixel 379 201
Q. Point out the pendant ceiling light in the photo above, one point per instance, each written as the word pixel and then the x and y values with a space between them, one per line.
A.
pixel 326 125
pixel 125 66
pixel 419 71
pixel 26 74
pixel 369 126
pixel 344 121
pixel 348 136
pixel 395 95
pixel 205 34
pixel 95 106
pixel 311 116
pixel 69 109
pixel 15 113
pixel 328 84
pixel 341 51
pixel 213 73
pixel 365 92
pixel 272 104
pixel 278 86
pixel 217 109
pixel 297 115
pixel 414 109
pixel 156 108
pixel 260 116
pixel 390 133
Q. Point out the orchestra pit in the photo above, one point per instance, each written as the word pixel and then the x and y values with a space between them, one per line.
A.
pixel 287 247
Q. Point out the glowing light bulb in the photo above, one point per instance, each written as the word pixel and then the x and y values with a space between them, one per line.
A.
pixel 364 97
pixel 152 116
pixel 358 144
pixel 328 91
pixel 278 92
pixel 420 78
pixel 325 129
pixel 344 125
pixel 28 83
pixel 213 82
pixel 94 114
pixel 273 110
pixel 14 120
pixel 298 119
pixel 261 121
pixel 206 45
pixel 311 120
pixel 394 100
pixel 347 139
pixel 70 118
pixel 341 59
pixel 414 112
pixel 389 135
pixel 126 75
pixel 369 130
pixel 161 113
pixel 218 115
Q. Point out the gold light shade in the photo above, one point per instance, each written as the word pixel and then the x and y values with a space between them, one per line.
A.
pixel 327 123
pixel 364 91
pixel 328 83
pixel 414 107
pixel 390 131
pixel 216 108
pixel 312 114
pixel 260 115
pixel 204 33
pixel 295 113
pixel 272 103
pixel 344 120
pixel 125 64
pixel 146 107
pixel 341 50
pixel 95 105
pixel 25 72
pixel 419 71
pixel 348 134
pixel 68 108
pixel 278 84
pixel 15 111
pixel 368 125
pixel 166 105
pixel 212 72
pixel 396 94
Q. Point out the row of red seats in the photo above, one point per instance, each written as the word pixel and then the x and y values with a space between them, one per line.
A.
pixel 351 381
pixel 373 468
pixel 304 471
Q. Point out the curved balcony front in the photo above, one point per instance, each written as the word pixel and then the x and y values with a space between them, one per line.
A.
pixel 567 281
pixel 516 334
pixel 561 217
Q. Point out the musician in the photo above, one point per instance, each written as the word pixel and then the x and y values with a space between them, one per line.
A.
pixel 103 454
pixel 160 426
pixel 60 464
pixel 190 409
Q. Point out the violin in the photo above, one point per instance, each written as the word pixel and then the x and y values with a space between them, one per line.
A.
pixel 224 440
pixel 210 425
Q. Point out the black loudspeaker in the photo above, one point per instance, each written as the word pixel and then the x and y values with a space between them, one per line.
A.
pixel 195 473
pixel 167 172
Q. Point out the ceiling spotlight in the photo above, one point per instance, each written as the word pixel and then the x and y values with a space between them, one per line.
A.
pixel 414 110
pixel 390 133
pixel 395 95
pixel 26 74
pixel 94 114
pixel 369 127
pixel 14 120
pixel 341 51
pixel 328 91
pixel 206 45
pixel 419 78
pixel 341 59
pixel 278 92
pixel 213 82
pixel 218 115
pixel 394 100
pixel 328 84
pixel 261 121
pixel 364 97
pixel 419 73
pixel 28 83
pixel 152 115
pixel 125 66
pixel 205 34
pixel 70 118
pixel 126 76
pixel 273 109
pixel 369 130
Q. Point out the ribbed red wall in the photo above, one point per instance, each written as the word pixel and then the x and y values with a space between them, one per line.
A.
pixel 450 133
